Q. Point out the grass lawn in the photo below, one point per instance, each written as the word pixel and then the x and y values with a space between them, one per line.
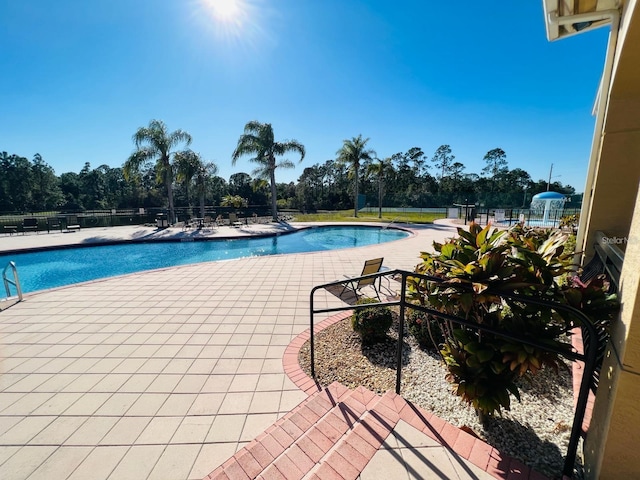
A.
pixel 347 216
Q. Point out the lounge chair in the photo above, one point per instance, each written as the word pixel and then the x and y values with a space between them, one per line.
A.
pixel 53 223
pixel 72 223
pixel 233 220
pixel 370 267
pixel 30 224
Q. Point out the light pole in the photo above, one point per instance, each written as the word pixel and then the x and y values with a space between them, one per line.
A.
pixel 550 177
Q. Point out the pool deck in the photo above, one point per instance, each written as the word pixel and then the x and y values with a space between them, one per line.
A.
pixel 166 374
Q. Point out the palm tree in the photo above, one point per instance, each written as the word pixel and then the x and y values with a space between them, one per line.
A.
pixel 187 164
pixel 205 172
pixel 154 142
pixel 351 153
pixel 380 170
pixel 258 140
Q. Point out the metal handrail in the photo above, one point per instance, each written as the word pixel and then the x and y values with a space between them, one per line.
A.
pixel 15 282
pixel 588 357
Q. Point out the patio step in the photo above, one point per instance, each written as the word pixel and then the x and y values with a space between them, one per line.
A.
pixel 350 454
pixel 334 433
pixel 313 439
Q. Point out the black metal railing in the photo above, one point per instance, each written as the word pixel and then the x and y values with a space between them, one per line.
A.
pixel 589 348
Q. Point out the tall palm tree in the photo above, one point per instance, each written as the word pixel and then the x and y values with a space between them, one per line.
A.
pixel 154 142
pixel 352 152
pixel 187 164
pixel 205 172
pixel 380 169
pixel 258 140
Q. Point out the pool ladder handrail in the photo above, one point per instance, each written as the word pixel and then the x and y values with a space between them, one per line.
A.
pixel 15 282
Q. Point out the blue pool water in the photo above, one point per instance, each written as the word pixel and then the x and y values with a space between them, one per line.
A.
pixel 55 268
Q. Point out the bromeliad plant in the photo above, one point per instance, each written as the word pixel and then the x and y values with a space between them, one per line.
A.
pixel 476 269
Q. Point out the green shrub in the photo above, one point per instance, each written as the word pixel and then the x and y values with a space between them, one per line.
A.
pixel 426 329
pixel 372 324
pixel 476 269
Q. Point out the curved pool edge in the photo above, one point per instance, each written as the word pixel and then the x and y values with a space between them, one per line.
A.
pixel 410 233
pixel 180 237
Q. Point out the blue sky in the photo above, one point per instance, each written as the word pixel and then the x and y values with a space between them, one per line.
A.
pixel 80 77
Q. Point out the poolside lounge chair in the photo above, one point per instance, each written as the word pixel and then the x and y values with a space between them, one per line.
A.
pixel 233 220
pixel 53 223
pixel 30 224
pixel 370 266
pixel 72 223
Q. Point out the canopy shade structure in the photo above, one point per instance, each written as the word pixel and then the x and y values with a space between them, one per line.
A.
pixel 564 18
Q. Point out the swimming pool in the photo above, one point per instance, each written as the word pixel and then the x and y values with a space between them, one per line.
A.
pixel 55 268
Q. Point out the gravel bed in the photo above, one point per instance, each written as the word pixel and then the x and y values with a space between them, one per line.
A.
pixel 536 431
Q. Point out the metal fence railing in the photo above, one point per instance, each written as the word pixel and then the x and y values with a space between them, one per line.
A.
pixel 590 347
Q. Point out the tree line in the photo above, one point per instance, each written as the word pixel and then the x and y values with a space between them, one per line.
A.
pixel 163 172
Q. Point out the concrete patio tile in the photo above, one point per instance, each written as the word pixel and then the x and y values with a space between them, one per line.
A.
pixel 159 430
pixel 138 382
pixel 29 382
pixel 111 382
pixel 138 462
pixel 236 403
pixel 226 428
pixel 99 464
pixel 27 403
pixel 217 383
pixel 143 339
pixel 84 382
pixel 210 456
pixel 189 351
pixel 193 429
pixel 256 424
pixel 423 461
pixel 290 398
pixel 147 404
pixel 211 351
pixel 92 431
pixel 24 462
pixel 126 431
pixel 58 431
pixel 25 430
pixel 226 366
pixel 265 402
pixel 167 351
pixel 175 462
pixel 118 404
pixel 201 366
pixel 177 404
pixel 386 464
pixel 270 382
pixel 87 404
pixel 233 351
pixel 7 452
pixel 62 462
pixel 244 383
pixel 105 365
pixel 272 365
pixel 6 423
pixel 467 470
pixel 190 384
pixel 164 383
pixel 408 436
pixel 206 404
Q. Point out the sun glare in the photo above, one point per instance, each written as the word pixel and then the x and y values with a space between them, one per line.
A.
pixel 225 10
pixel 234 23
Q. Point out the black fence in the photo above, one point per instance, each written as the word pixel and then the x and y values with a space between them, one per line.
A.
pixel 62 220
pixel 590 340
pixel 510 216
